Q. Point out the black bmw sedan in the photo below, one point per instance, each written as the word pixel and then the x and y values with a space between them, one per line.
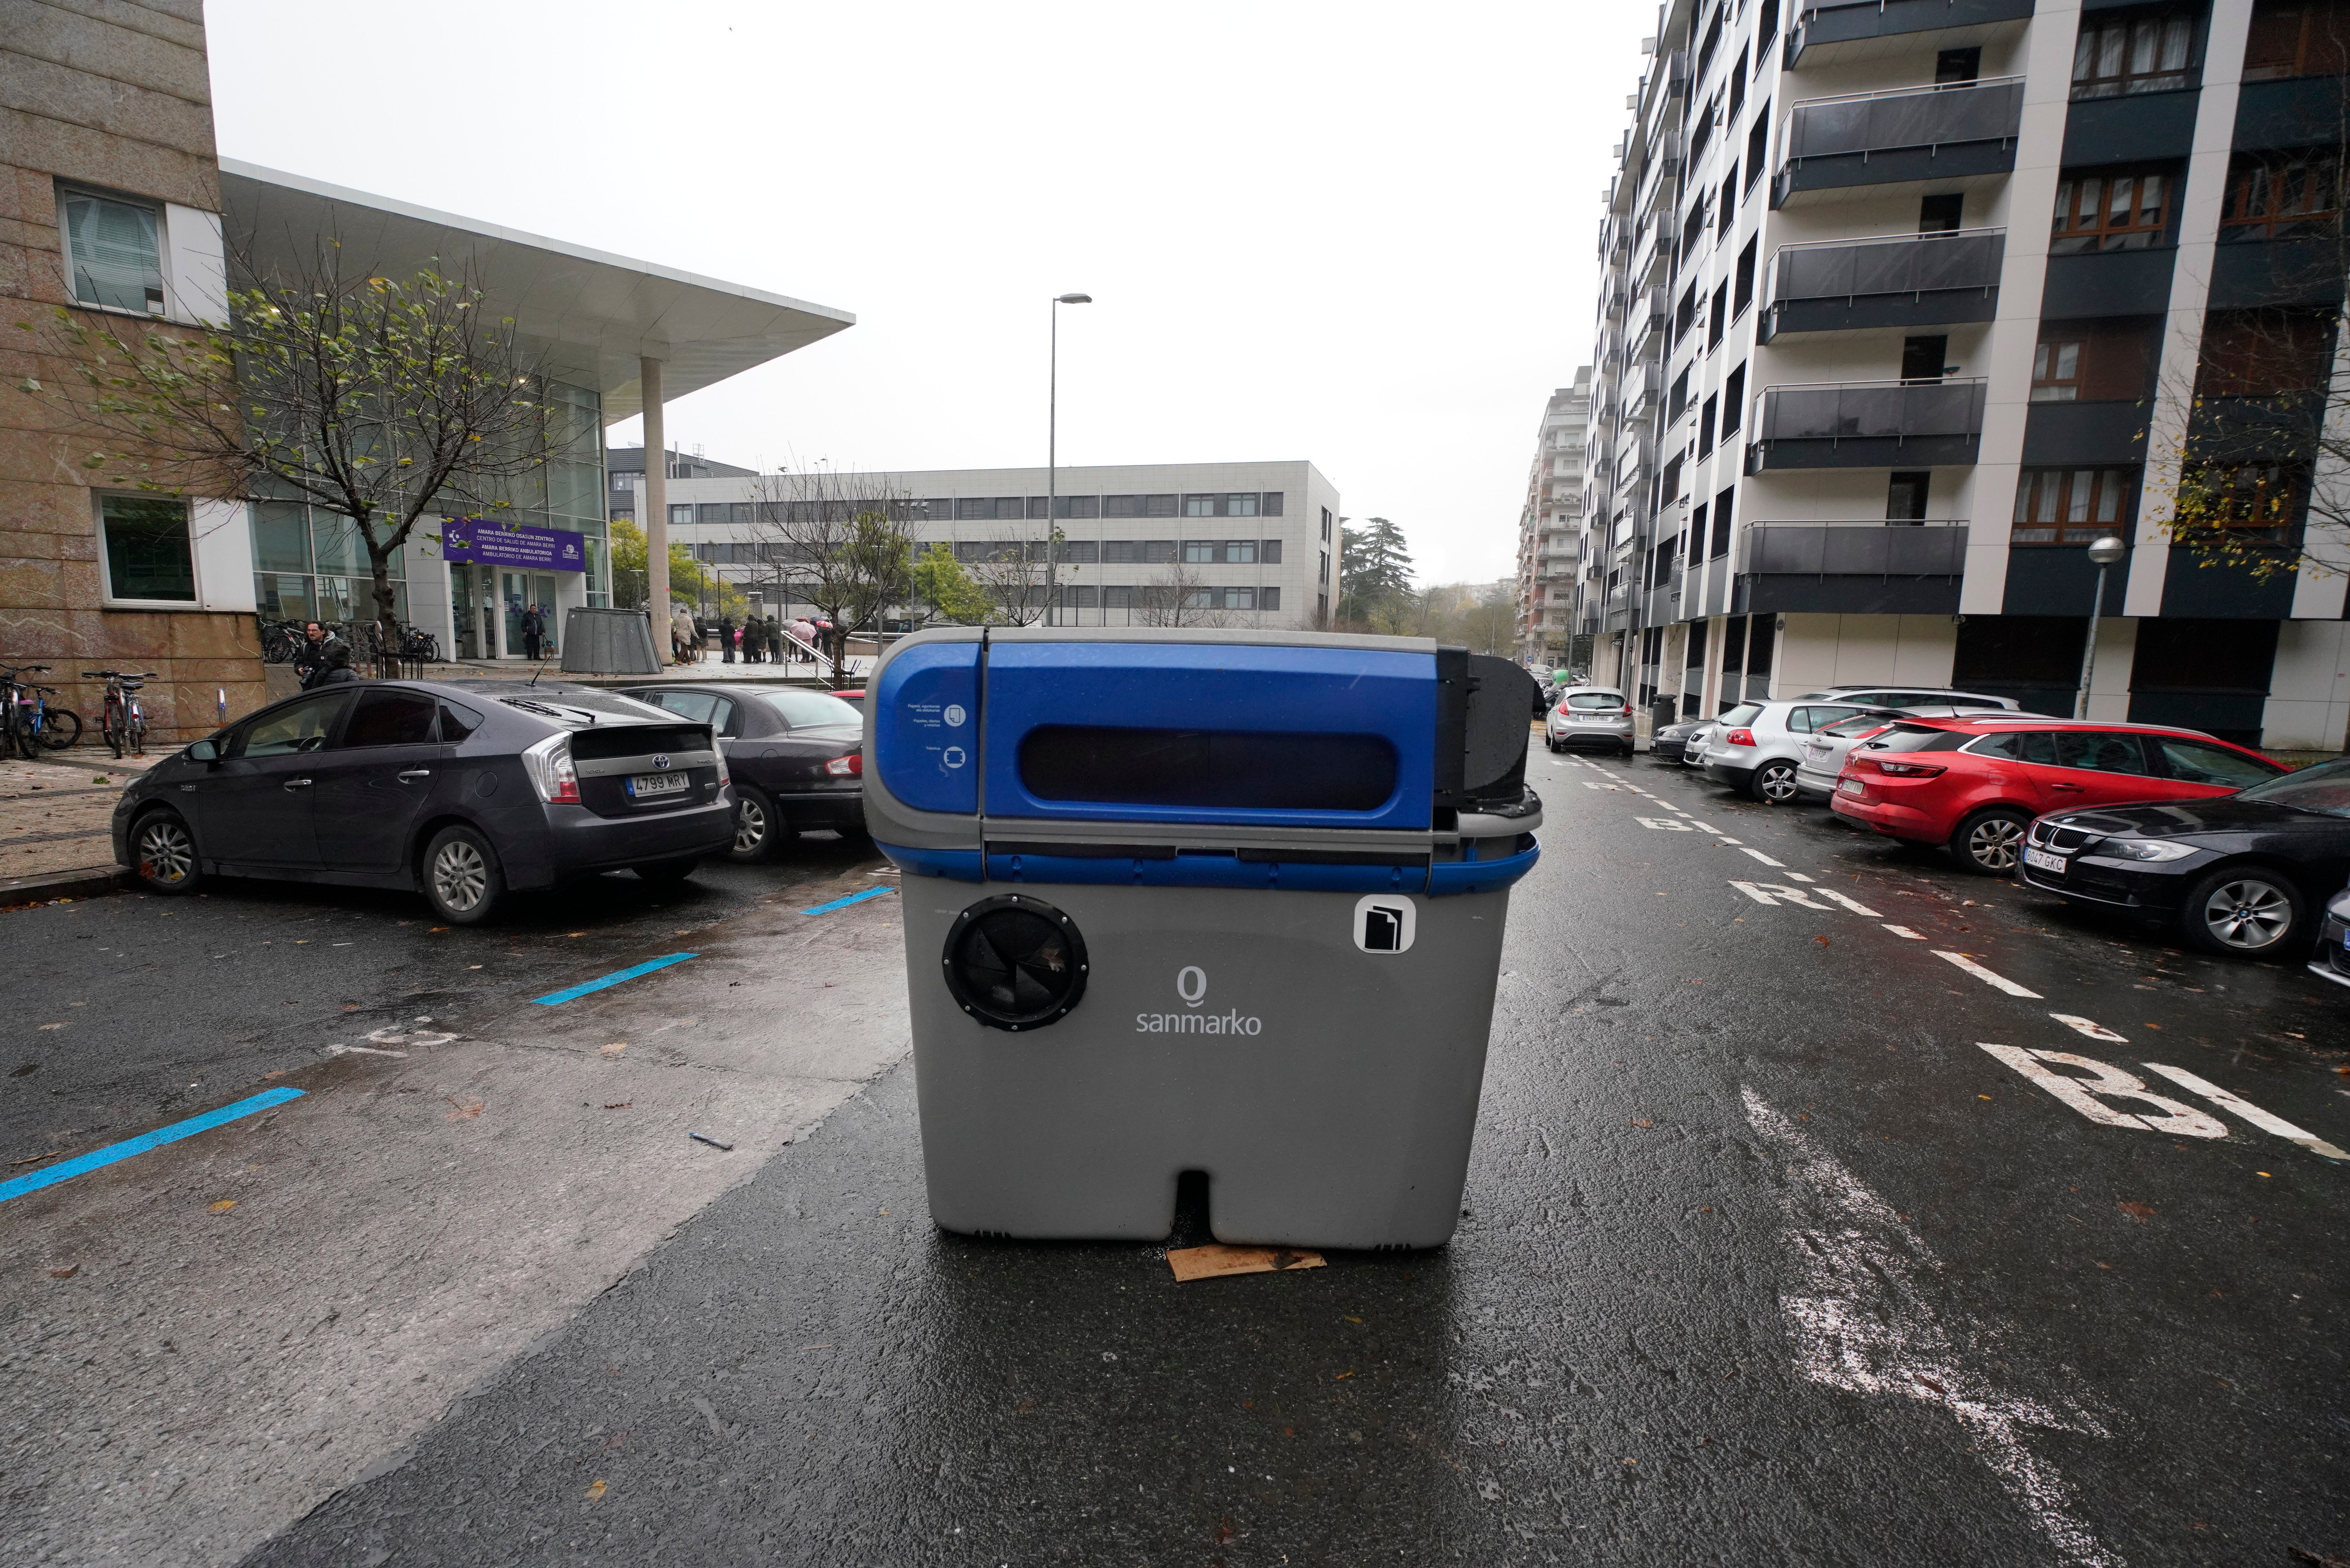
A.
pixel 797 757
pixel 459 792
pixel 2242 874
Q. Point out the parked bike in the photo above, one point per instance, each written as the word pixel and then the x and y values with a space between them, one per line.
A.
pixel 125 721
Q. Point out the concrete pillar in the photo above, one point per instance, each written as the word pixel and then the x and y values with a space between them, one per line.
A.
pixel 655 518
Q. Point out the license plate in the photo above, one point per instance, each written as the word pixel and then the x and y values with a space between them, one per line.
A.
pixel 2039 859
pixel 643 785
pixel 1852 786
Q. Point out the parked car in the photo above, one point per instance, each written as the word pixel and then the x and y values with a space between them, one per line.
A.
pixel 2332 958
pixel 1758 746
pixel 797 757
pixel 462 792
pixel 1919 699
pixel 1694 743
pixel 1974 784
pixel 2239 873
pixel 1669 743
pixel 1823 753
pixel 1596 717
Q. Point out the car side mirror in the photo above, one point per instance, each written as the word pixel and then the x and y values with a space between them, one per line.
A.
pixel 204 751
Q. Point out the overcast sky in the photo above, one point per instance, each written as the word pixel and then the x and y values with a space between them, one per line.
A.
pixel 1358 235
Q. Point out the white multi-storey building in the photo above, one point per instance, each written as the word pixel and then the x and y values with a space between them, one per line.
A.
pixel 1907 301
pixel 1550 526
pixel 1250 544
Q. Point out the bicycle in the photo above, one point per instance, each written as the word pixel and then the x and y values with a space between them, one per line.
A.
pixel 125 721
pixel 280 641
pixel 14 739
pixel 50 728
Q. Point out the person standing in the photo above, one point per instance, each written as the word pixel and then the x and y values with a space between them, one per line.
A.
pixel 534 628
pixel 311 657
pixel 682 634
pixel 775 639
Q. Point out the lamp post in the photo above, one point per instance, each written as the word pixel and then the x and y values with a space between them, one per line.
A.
pixel 1052 455
pixel 2105 552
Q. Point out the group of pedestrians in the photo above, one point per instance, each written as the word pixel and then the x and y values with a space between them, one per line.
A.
pixel 757 639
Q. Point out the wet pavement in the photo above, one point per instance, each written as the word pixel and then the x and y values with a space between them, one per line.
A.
pixel 1766 1259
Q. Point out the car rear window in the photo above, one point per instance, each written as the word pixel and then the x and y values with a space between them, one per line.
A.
pixel 1741 714
pixel 2017 746
pixel 1859 724
pixel 2204 763
pixel 1594 701
pixel 1918 738
pixel 805 709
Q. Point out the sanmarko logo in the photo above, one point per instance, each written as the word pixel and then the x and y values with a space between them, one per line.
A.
pixel 1191 986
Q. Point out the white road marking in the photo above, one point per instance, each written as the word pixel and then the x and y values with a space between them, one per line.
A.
pixel 1799 877
pixel 360 1051
pixel 1776 893
pixel 2251 1112
pixel 2082 1094
pixel 1855 905
pixel 1778 865
pixel 1987 976
pixel 1905 931
pixel 2089 1027
pixel 1666 823
pixel 1873 1315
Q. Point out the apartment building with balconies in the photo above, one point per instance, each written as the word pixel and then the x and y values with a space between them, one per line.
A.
pixel 1906 302
pixel 1550 527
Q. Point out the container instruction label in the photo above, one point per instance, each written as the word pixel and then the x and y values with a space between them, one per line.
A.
pixel 925 721
pixel 1384 923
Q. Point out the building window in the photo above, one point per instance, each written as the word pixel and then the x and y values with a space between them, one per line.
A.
pixel 1728 215
pixel 2240 497
pixel 1118 598
pixel 1159 505
pixel 114 254
pixel 2264 353
pixel 2283 195
pixel 2297 38
pixel 1738 83
pixel 1269 505
pixel 1269 552
pixel 1705 425
pixel 147 557
pixel 2056 372
pixel 2128 211
pixel 1074 506
pixel 2072 505
pixel 1745 276
pixel 1906 494
pixel 2146 52
pixel 681 515
pixel 1758 142
pixel 1721 319
pixel 1325 529
pixel 1733 398
pixel 1721 524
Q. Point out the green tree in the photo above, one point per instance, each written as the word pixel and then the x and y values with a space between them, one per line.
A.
pixel 383 401
pixel 687 581
pixel 944 590
pixel 1374 574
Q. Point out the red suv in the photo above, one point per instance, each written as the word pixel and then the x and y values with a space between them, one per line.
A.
pixel 1973 786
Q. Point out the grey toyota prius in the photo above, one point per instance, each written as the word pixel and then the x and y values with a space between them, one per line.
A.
pixel 462 793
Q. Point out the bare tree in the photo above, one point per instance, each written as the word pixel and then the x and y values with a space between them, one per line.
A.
pixel 1180 597
pixel 843 542
pixel 1015 573
pixel 381 401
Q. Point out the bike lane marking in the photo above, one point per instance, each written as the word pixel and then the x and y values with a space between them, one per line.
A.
pixel 602 982
pixel 852 898
pixel 1989 977
pixel 2088 1094
pixel 81 1165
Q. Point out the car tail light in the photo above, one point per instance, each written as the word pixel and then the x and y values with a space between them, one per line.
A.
pixel 717 750
pixel 848 767
pixel 1627 710
pixel 1912 770
pixel 1738 738
pixel 551 771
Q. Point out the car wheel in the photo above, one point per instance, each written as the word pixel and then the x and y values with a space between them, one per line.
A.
pixel 461 879
pixel 668 873
pixel 759 829
pixel 1990 841
pixel 1773 783
pixel 163 855
pixel 2243 913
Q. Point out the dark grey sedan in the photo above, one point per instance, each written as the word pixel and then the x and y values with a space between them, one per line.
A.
pixel 797 757
pixel 461 793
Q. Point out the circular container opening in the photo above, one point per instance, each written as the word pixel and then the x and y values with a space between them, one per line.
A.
pixel 1015 963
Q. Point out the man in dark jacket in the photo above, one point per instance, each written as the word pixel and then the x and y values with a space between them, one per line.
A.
pixel 311 657
pixel 337 670
pixel 534 628
pixel 725 639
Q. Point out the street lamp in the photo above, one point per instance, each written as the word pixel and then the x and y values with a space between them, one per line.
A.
pixel 1052 457
pixel 2105 552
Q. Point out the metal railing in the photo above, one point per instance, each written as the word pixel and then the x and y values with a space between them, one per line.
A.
pixel 1893 119
pixel 1934 547
pixel 1856 410
pixel 1899 263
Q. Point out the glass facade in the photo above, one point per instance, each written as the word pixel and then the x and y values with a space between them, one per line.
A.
pixel 310 564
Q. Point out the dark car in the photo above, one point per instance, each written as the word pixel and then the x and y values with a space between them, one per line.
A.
pixel 2333 957
pixel 797 757
pixel 2239 873
pixel 459 792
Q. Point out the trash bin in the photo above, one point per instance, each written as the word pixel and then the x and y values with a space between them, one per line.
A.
pixel 1176 901
pixel 1661 711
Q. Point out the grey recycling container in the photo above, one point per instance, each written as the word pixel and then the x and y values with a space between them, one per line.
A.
pixel 1217 901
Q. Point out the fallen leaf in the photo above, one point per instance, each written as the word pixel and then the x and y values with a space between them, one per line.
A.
pixel 437 928
pixel 465 1112
pixel 2154 1026
pixel 64 1273
pixel 1982 1096
pixel 53 1026
pixel 224 1205
pixel 595 1491
pixel 279 1072
pixel 575 933
pixel 616 1047
pixel 1823 942
pixel 1342 1376
pixel 2260 1173
pixel 2138 1211
pixel 1024 1407
pixel 1352 1319
pixel 1642 1122
pixel 1213 1261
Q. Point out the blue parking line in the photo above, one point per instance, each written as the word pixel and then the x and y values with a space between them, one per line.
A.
pixel 852 898
pixel 615 978
pixel 81 1165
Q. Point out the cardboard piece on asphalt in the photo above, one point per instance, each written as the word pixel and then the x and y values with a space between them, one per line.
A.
pixel 1212 1260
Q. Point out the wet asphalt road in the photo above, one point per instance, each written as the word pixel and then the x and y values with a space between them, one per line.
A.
pixel 1767 1261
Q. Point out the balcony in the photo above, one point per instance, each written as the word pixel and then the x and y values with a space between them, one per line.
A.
pixel 2306 270
pixel 1891 569
pixel 2109 283
pixel 1960 130
pixel 1867 424
pixel 1832 35
pixel 1843 286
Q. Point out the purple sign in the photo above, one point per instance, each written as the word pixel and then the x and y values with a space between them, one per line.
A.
pixel 505 544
